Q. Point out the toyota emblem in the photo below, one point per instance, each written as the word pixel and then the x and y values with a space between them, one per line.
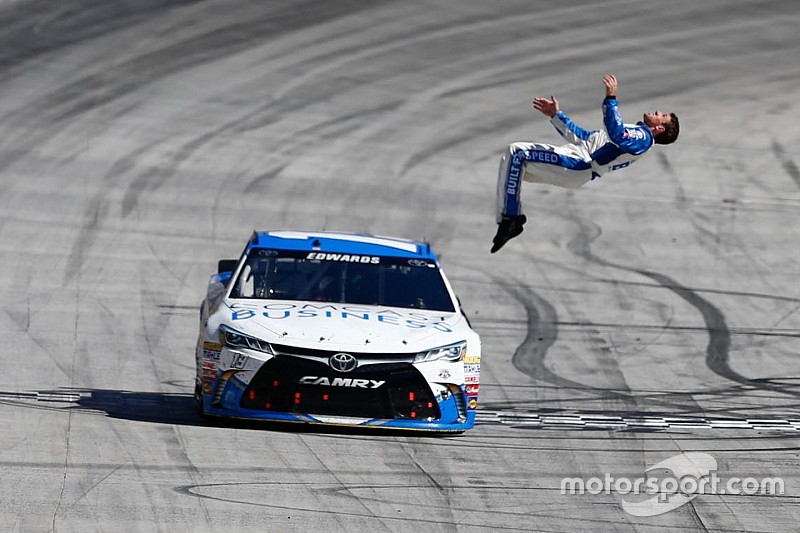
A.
pixel 343 362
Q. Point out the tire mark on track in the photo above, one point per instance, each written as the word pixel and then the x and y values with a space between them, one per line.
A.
pixel 444 490
pixel 343 486
pixel 775 297
pixel 175 442
pixel 195 491
pixel 542 332
pixel 94 214
pixel 119 79
pixel 610 367
pixel 215 43
pixel 176 446
pixel 788 165
pixel 719 336
pixel 20 315
pixel 38 27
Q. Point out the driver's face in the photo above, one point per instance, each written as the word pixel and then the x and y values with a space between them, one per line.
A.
pixel 657 118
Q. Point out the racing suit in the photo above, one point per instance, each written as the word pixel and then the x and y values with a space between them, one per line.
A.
pixel 589 155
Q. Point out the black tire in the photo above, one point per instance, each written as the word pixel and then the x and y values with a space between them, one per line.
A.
pixel 198 402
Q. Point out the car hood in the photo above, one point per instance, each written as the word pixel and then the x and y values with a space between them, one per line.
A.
pixel 362 328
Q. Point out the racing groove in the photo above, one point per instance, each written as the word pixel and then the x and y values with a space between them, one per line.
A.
pixel 651 314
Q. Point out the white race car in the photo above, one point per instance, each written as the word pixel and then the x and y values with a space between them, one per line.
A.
pixel 337 328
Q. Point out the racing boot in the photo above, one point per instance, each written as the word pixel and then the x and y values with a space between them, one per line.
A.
pixel 509 227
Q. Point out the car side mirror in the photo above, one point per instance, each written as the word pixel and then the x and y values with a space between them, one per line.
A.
pixel 227 265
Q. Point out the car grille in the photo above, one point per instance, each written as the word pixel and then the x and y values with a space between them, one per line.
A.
pixel 277 386
pixel 323 355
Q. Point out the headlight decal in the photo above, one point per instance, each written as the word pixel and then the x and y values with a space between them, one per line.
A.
pixel 235 339
pixel 451 352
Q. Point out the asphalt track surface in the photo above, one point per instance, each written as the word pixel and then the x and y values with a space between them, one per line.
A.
pixel 651 315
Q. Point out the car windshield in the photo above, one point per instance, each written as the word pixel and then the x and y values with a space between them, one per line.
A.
pixel 342 278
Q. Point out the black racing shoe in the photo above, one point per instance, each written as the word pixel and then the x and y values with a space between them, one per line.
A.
pixel 508 228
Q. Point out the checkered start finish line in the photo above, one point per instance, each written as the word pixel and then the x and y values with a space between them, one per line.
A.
pixel 642 422
pixel 524 419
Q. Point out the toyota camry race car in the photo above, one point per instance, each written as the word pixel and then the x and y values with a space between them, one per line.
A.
pixel 337 328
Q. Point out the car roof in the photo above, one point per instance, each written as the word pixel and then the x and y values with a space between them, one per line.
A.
pixel 341 242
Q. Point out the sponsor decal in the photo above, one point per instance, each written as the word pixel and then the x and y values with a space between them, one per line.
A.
pixel 514 171
pixel 341 382
pixel 347 258
pixel 206 388
pixel 211 350
pixel 472 390
pixel 242 314
pixel 209 370
pixel 542 156
pixel 472 359
pixel 473 368
pixel 389 317
pixel 634 134
pixel 471 379
pixel 210 354
pixel 473 403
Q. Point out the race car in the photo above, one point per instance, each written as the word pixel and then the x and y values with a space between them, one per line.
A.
pixel 340 329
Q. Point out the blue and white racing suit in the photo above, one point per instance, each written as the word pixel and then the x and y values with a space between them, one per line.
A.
pixel 589 155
